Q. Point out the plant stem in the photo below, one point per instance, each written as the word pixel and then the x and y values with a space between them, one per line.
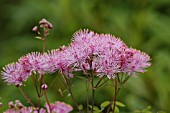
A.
pixel 27 98
pixel 53 82
pixel 99 82
pixel 93 91
pixel 116 92
pixel 115 97
pixel 87 90
pixel 102 84
pixel 36 88
pixel 125 79
pixel 44 43
pixel 42 76
pixel 70 91
pixel 45 94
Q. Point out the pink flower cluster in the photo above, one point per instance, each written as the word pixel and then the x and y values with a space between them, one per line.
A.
pixel 58 107
pixel 103 54
pixel 18 107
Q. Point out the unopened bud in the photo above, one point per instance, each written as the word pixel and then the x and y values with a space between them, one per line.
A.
pixel 35 28
pixel 43 21
pixel 45 24
pixel 11 104
pixel 0 104
pixel 50 26
pixel 18 103
pixel 44 87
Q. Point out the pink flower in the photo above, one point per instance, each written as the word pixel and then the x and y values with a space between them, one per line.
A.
pixel 103 54
pixel 19 108
pixel 62 60
pixel 34 62
pixel 59 107
pixel 15 74
pixel 108 57
pixel 135 61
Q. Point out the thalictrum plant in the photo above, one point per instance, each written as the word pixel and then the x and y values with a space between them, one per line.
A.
pixel 102 57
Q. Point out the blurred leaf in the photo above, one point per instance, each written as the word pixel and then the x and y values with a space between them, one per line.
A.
pixel 104 104
pixel 81 107
pixel 146 112
pixel 95 108
pixel 120 104
pixel 116 109
pixel 38 37
pixel 161 112
pixel 68 95
pixel 137 111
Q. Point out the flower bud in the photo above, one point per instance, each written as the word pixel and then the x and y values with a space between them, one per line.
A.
pixel 0 104
pixel 18 103
pixel 35 28
pixel 11 104
pixel 50 26
pixel 44 87
pixel 43 21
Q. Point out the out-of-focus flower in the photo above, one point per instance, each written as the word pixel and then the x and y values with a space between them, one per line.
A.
pixel 59 107
pixel 45 24
pixel 35 28
pixel 18 107
pixel 0 104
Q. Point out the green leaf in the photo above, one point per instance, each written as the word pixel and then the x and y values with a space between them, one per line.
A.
pixel 68 95
pixel 146 112
pixel 97 111
pixel 120 104
pixel 116 109
pixel 161 112
pixel 137 111
pixel 80 107
pixel 95 108
pixel 104 104
pixel 148 108
pixel 38 37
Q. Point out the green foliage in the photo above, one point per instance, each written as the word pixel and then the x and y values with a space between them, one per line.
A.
pixel 120 104
pixel 147 110
pixel 80 107
pixel 143 24
pixel 105 105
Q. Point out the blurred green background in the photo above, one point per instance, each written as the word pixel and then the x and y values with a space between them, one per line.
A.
pixel 142 24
